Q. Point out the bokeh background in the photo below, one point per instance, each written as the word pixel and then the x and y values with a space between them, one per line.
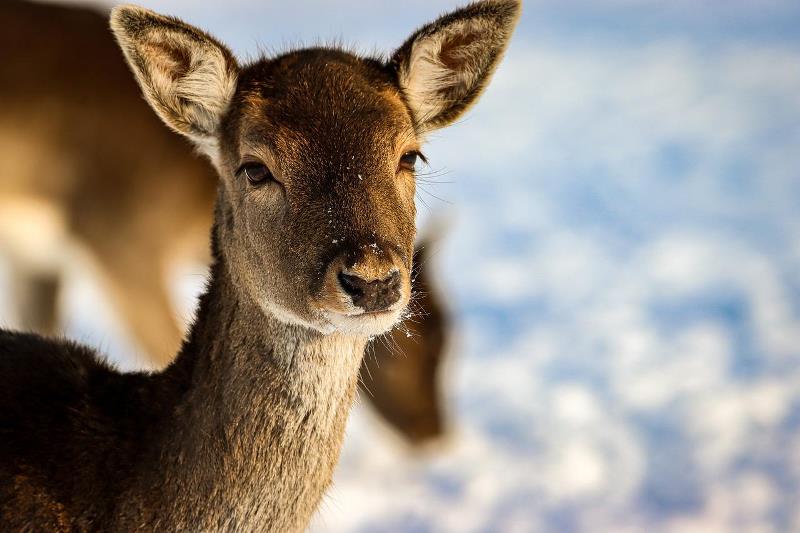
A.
pixel 621 256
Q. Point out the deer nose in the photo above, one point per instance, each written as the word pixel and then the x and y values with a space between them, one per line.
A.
pixel 372 295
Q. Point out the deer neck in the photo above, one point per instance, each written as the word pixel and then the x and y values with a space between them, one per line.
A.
pixel 258 419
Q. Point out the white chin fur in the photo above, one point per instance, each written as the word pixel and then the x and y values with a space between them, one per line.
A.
pixel 368 324
pixel 288 317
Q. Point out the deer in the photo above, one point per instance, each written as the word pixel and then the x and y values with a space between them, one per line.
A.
pixel 243 429
pixel 173 190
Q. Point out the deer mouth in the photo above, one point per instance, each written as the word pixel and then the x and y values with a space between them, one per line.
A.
pixel 367 323
pixel 384 312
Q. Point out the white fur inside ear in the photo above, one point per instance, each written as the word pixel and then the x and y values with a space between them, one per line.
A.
pixel 190 98
pixel 186 77
pixel 209 86
pixel 426 79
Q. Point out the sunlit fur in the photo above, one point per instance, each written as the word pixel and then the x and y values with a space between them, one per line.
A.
pixel 243 430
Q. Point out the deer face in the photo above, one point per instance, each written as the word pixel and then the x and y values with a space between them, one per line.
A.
pixel 328 211
pixel 316 152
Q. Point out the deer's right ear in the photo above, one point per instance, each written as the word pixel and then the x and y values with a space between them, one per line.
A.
pixel 187 77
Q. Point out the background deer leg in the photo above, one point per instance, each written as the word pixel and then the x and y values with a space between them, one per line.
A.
pixel 139 292
pixel 35 296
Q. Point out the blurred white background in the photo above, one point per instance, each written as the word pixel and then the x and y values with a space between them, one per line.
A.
pixel 623 260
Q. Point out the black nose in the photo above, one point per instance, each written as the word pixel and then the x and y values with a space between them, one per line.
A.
pixel 377 295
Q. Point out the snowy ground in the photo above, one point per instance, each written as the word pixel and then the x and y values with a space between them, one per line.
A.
pixel 624 264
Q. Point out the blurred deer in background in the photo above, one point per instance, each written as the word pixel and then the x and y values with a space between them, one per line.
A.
pixel 73 132
pixel 400 371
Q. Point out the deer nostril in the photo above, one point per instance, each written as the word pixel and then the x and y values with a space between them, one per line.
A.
pixel 377 295
pixel 352 285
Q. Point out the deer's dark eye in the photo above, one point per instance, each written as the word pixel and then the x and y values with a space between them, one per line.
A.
pixel 256 173
pixel 409 161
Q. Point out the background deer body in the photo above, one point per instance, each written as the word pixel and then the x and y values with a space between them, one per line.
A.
pixel 73 130
pixel 65 154
pixel 243 429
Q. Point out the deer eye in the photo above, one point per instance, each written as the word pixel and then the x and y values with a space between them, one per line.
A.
pixel 409 160
pixel 256 173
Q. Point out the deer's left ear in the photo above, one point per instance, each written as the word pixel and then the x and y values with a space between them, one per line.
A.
pixel 445 65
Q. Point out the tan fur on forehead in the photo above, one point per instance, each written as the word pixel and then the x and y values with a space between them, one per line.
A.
pixel 334 79
pixel 292 103
pixel 408 135
pixel 396 126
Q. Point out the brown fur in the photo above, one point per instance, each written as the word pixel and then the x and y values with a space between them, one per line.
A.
pixel 160 208
pixel 244 428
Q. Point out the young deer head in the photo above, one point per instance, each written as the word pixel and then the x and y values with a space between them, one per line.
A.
pixel 316 150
